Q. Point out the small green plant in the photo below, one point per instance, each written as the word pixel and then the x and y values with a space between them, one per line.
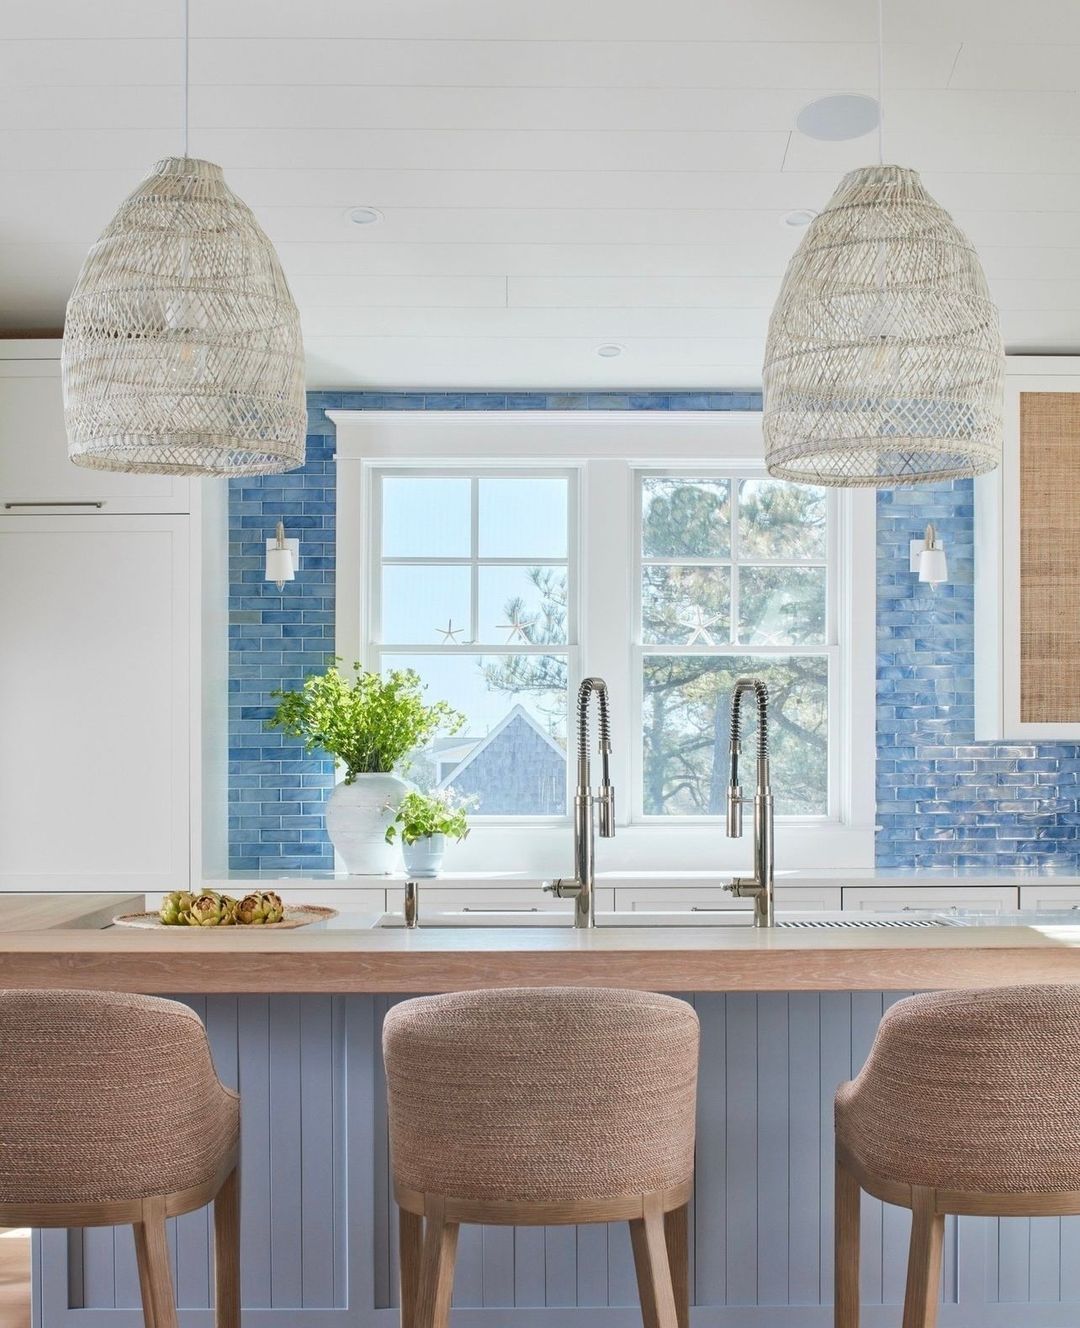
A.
pixel 424 814
pixel 370 724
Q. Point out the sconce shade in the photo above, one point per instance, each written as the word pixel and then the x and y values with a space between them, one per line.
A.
pixel 933 566
pixel 884 362
pixel 182 348
pixel 279 566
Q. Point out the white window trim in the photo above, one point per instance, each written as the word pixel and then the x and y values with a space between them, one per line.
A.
pixel 616 444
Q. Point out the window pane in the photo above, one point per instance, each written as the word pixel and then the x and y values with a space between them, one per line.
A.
pixel 781 606
pixel 511 754
pixel 425 605
pixel 523 604
pixel 686 708
pixel 523 518
pixel 685 518
pixel 781 520
pixel 685 605
pixel 426 517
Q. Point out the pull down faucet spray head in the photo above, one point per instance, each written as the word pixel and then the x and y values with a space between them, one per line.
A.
pixel 759 887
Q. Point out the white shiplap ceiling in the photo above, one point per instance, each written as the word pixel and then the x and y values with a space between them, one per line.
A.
pixel 552 176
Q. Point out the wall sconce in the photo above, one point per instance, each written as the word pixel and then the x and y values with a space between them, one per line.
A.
pixel 928 559
pixel 282 558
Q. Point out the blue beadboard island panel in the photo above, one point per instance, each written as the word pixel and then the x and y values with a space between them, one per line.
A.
pixel 319 1236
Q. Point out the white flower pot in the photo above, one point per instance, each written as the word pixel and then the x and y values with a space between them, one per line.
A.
pixel 423 857
pixel 357 815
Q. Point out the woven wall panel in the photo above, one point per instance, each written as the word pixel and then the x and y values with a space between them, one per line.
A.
pixel 1050 557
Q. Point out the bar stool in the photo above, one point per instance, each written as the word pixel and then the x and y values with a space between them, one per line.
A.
pixel 968 1103
pixel 542 1106
pixel 111 1113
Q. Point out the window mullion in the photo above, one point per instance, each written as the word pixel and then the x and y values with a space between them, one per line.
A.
pixel 474 572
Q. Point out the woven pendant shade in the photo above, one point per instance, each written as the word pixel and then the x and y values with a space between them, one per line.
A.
pixel 182 348
pixel 884 364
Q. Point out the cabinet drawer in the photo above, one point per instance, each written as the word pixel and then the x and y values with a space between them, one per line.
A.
pixel 436 899
pixel 695 899
pixel 1050 897
pixel 894 899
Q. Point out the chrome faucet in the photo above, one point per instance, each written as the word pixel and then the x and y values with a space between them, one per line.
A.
pixel 759 887
pixel 581 889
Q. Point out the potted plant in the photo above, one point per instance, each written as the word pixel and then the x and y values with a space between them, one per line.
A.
pixel 370 724
pixel 426 819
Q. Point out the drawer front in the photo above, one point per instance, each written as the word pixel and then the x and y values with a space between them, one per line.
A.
pixel 898 899
pixel 436 899
pixel 707 899
pixel 1051 897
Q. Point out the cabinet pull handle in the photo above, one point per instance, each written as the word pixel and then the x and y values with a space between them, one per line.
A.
pixel 714 908
pixel 468 908
pixel 86 502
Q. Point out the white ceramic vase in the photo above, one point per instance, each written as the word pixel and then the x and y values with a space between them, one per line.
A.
pixel 357 815
pixel 424 857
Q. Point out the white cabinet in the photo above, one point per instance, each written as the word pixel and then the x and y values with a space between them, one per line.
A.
pixel 1066 897
pixel 436 900
pixel 95 713
pixel 708 899
pixel 899 899
pixel 35 473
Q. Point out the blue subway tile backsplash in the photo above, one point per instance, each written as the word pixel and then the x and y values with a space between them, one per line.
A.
pixel 944 800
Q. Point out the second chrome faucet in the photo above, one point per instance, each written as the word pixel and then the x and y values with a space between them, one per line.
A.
pixel 581 888
pixel 758 887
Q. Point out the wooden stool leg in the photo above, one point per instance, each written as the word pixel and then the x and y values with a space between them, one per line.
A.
pixel 847 1210
pixel 677 1237
pixel 653 1271
pixel 155 1275
pixel 227 1252
pixel 410 1242
pixel 436 1266
pixel 924 1261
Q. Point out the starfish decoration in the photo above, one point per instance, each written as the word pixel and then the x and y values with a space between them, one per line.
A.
pixel 698 627
pixel 449 633
pixel 519 631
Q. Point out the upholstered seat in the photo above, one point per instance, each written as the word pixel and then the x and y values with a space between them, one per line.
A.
pixel 971 1090
pixel 111 1112
pixel 542 1105
pixel 969 1102
pixel 542 1094
pixel 107 1097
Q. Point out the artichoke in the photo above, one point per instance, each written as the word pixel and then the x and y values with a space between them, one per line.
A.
pixel 275 909
pixel 211 910
pixel 259 909
pixel 175 907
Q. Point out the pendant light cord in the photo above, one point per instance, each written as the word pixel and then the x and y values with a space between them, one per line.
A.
pixel 881 82
pixel 187 73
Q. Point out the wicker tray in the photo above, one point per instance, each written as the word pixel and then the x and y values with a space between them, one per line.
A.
pixel 295 916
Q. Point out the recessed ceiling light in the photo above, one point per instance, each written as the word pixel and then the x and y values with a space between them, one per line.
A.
pixel 363 216
pixel 609 350
pixel 834 119
pixel 800 217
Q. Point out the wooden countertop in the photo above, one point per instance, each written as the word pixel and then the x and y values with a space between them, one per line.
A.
pixel 665 959
pixel 36 912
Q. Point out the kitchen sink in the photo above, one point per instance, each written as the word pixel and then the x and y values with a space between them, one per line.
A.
pixel 718 917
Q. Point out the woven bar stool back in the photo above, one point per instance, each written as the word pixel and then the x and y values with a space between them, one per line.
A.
pixel 542 1106
pixel 111 1113
pixel 969 1102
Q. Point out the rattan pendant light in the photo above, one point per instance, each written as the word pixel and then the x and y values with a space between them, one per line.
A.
pixel 182 348
pixel 884 364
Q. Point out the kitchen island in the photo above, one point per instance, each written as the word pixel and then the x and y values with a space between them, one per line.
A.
pixel 294 1019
